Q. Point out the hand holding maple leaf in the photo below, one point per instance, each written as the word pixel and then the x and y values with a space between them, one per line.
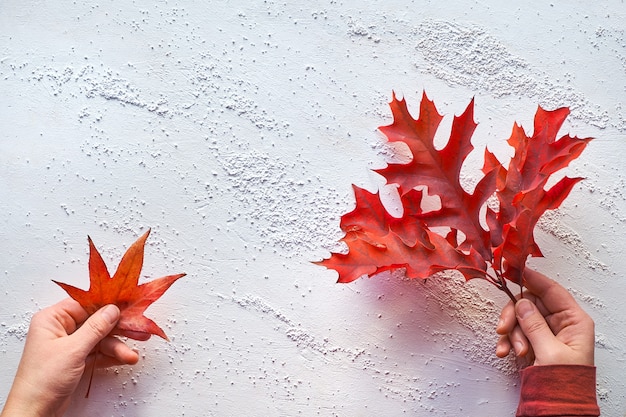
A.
pixel 123 290
pixel 377 241
pixel 62 341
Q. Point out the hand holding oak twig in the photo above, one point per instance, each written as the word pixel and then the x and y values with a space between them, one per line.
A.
pixel 547 326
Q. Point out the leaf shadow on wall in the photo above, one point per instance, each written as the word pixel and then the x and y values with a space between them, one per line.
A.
pixel 442 315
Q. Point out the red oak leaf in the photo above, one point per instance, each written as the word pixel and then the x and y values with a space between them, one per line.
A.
pixel 378 242
pixel 439 169
pixel 521 193
pixel 123 290
pixel 479 236
pixel 518 240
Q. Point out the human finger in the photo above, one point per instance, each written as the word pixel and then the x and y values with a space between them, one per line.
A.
pixel 140 336
pixel 552 296
pixel 503 346
pixel 96 328
pixel 507 321
pixel 113 347
pixel 519 342
pixel 536 329
pixel 67 313
pixel 103 361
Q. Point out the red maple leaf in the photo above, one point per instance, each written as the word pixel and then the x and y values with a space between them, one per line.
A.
pixel 377 241
pixel 123 290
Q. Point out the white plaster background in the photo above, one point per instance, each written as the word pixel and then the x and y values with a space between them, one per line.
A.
pixel 235 130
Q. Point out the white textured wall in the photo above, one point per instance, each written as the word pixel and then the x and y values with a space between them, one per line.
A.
pixel 235 130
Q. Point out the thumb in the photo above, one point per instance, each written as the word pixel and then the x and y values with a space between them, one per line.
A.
pixel 535 327
pixel 96 328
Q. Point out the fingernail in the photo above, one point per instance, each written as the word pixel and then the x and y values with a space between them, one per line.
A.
pixel 524 308
pixel 517 347
pixel 111 313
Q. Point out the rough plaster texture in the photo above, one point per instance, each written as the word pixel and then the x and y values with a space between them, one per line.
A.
pixel 235 130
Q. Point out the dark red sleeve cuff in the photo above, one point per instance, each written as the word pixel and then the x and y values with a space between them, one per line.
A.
pixel 558 390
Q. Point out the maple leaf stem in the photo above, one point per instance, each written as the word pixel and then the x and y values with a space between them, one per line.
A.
pixel 93 368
